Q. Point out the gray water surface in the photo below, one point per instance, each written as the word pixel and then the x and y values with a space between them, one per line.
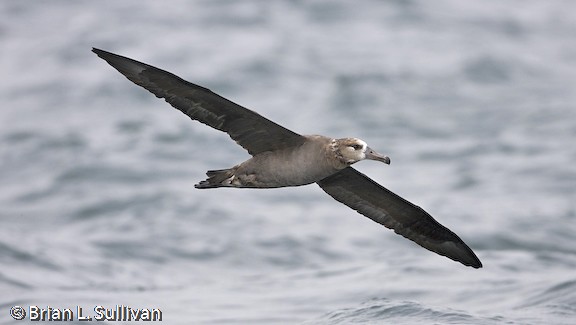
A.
pixel 475 103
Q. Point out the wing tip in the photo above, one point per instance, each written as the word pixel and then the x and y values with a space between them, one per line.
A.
pixel 459 252
pixel 475 263
pixel 130 68
pixel 101 53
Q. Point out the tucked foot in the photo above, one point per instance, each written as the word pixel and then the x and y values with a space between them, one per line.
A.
pixel 217 178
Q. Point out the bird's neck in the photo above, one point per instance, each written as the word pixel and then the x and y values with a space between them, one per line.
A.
pixel 338 160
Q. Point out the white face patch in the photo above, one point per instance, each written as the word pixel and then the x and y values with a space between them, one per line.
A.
pixel 363 144
pixel 358 145
pixel 354 150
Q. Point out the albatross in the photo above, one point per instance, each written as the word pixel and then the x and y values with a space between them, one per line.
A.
pixel 281 158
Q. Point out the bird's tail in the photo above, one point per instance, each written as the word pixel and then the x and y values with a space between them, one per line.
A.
pixel 218 178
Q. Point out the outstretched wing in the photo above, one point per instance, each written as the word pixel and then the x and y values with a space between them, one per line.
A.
pixel 376 202
pixel 252 131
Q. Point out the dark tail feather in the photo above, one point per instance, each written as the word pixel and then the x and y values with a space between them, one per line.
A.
pixel 217 178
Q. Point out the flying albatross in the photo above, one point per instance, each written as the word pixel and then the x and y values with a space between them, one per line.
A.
pixel 281 158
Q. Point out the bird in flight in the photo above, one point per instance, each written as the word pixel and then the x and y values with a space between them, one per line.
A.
pixel 281 157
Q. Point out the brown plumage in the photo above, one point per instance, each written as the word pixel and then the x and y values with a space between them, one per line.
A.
pixel 281 158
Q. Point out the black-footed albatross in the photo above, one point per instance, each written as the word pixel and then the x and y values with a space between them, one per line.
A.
pixel 282 158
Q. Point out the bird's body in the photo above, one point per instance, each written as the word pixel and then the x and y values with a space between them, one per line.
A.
pixel 281 158
pixel 280 168
pixel 311 161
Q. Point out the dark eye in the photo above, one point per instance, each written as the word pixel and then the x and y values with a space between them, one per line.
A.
pixel 356 146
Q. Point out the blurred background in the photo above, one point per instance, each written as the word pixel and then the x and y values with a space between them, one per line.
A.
pixel 473 101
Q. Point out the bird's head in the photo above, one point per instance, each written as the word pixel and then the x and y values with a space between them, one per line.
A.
pixel 352 150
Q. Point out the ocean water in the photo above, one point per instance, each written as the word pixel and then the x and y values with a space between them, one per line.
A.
pixel 475 103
